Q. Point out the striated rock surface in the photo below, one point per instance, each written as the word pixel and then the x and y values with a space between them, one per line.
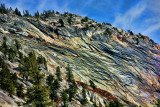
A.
pixel 125 66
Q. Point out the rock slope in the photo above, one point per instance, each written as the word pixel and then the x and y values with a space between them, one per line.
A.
pixel 125 66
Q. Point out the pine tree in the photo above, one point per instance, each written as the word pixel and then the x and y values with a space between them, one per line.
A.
pixel 61 22
pixel 7 79
pixel 69 20
pixel 71 92
pixel 58 73
pixel 20 89
pixel 53 95
pixel 17 12
pixel 38 96
pixel 92 84
pixel 115 104
pixel 4 47
pixel 3 9
pixel 84 100
pixel 11 54
pixel 37 14
pixel 1 62
pixel 65 99
pixel 17 44
pixel 50 80
pixel 70 77
pixel 25 68
pixel 56 84
pixel 26 13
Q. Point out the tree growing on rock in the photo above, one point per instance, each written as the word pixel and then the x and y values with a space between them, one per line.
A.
pixel 7 79
pixel 61 22
pixel 70 77
pixel 3 9
pixel 38 94
pixel 17 44
pixel 65 99
pixel 92 84
pixel 71 92
pixel 84 97
pixel 108 31
pixel 58 73
pixel 20 89
pixel 26 13
pixel 17 12
pixel 37 14
pixel 130 32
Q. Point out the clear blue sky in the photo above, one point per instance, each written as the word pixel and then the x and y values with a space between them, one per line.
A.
pixel 137 15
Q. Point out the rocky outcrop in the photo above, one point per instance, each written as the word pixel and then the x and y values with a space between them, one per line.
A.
pixel 121 65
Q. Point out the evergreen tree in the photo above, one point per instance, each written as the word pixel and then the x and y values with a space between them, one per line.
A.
pixel 1 62
pixel 70 77
pixel 17 44
pixel 20 89
pixel 11 54
pixel 158 103
pixel 49 80
pixel 69 20
pixel 84 100
pixel 53 95
pixel 26 13
pixel 7 79
pixel 3 9
pixel 108 31
pixel 53 12
pixel 61 22
pixel 56 84
pixel 38 96
pixel 58 73
pixel 115 104
pixel 25 68
pixel 65 99
pixel 92 84
pixel 37 14
pixel 17 12
pixel 42 60
pixel 71 92
pixel 57 12
pixel 20 55
pixel 4 47
pixel 130 32
pixel 53 86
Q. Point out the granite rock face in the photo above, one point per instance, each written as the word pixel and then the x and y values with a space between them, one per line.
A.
pixel 127 66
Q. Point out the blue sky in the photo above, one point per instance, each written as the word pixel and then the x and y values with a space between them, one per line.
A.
pixel 137 15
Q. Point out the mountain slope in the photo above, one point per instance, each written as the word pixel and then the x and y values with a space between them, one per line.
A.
pixel 126 66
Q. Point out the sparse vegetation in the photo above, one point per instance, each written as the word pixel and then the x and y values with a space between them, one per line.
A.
pixel 108 31
pixel 58 73
pixel 37 14
pixel 65 99
pixel 8 80
pixel 61 22
pixel 130 32
pixel 85 19
pixel 84 99
pixel 17 12
pixel 114 104
pixel 92 84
